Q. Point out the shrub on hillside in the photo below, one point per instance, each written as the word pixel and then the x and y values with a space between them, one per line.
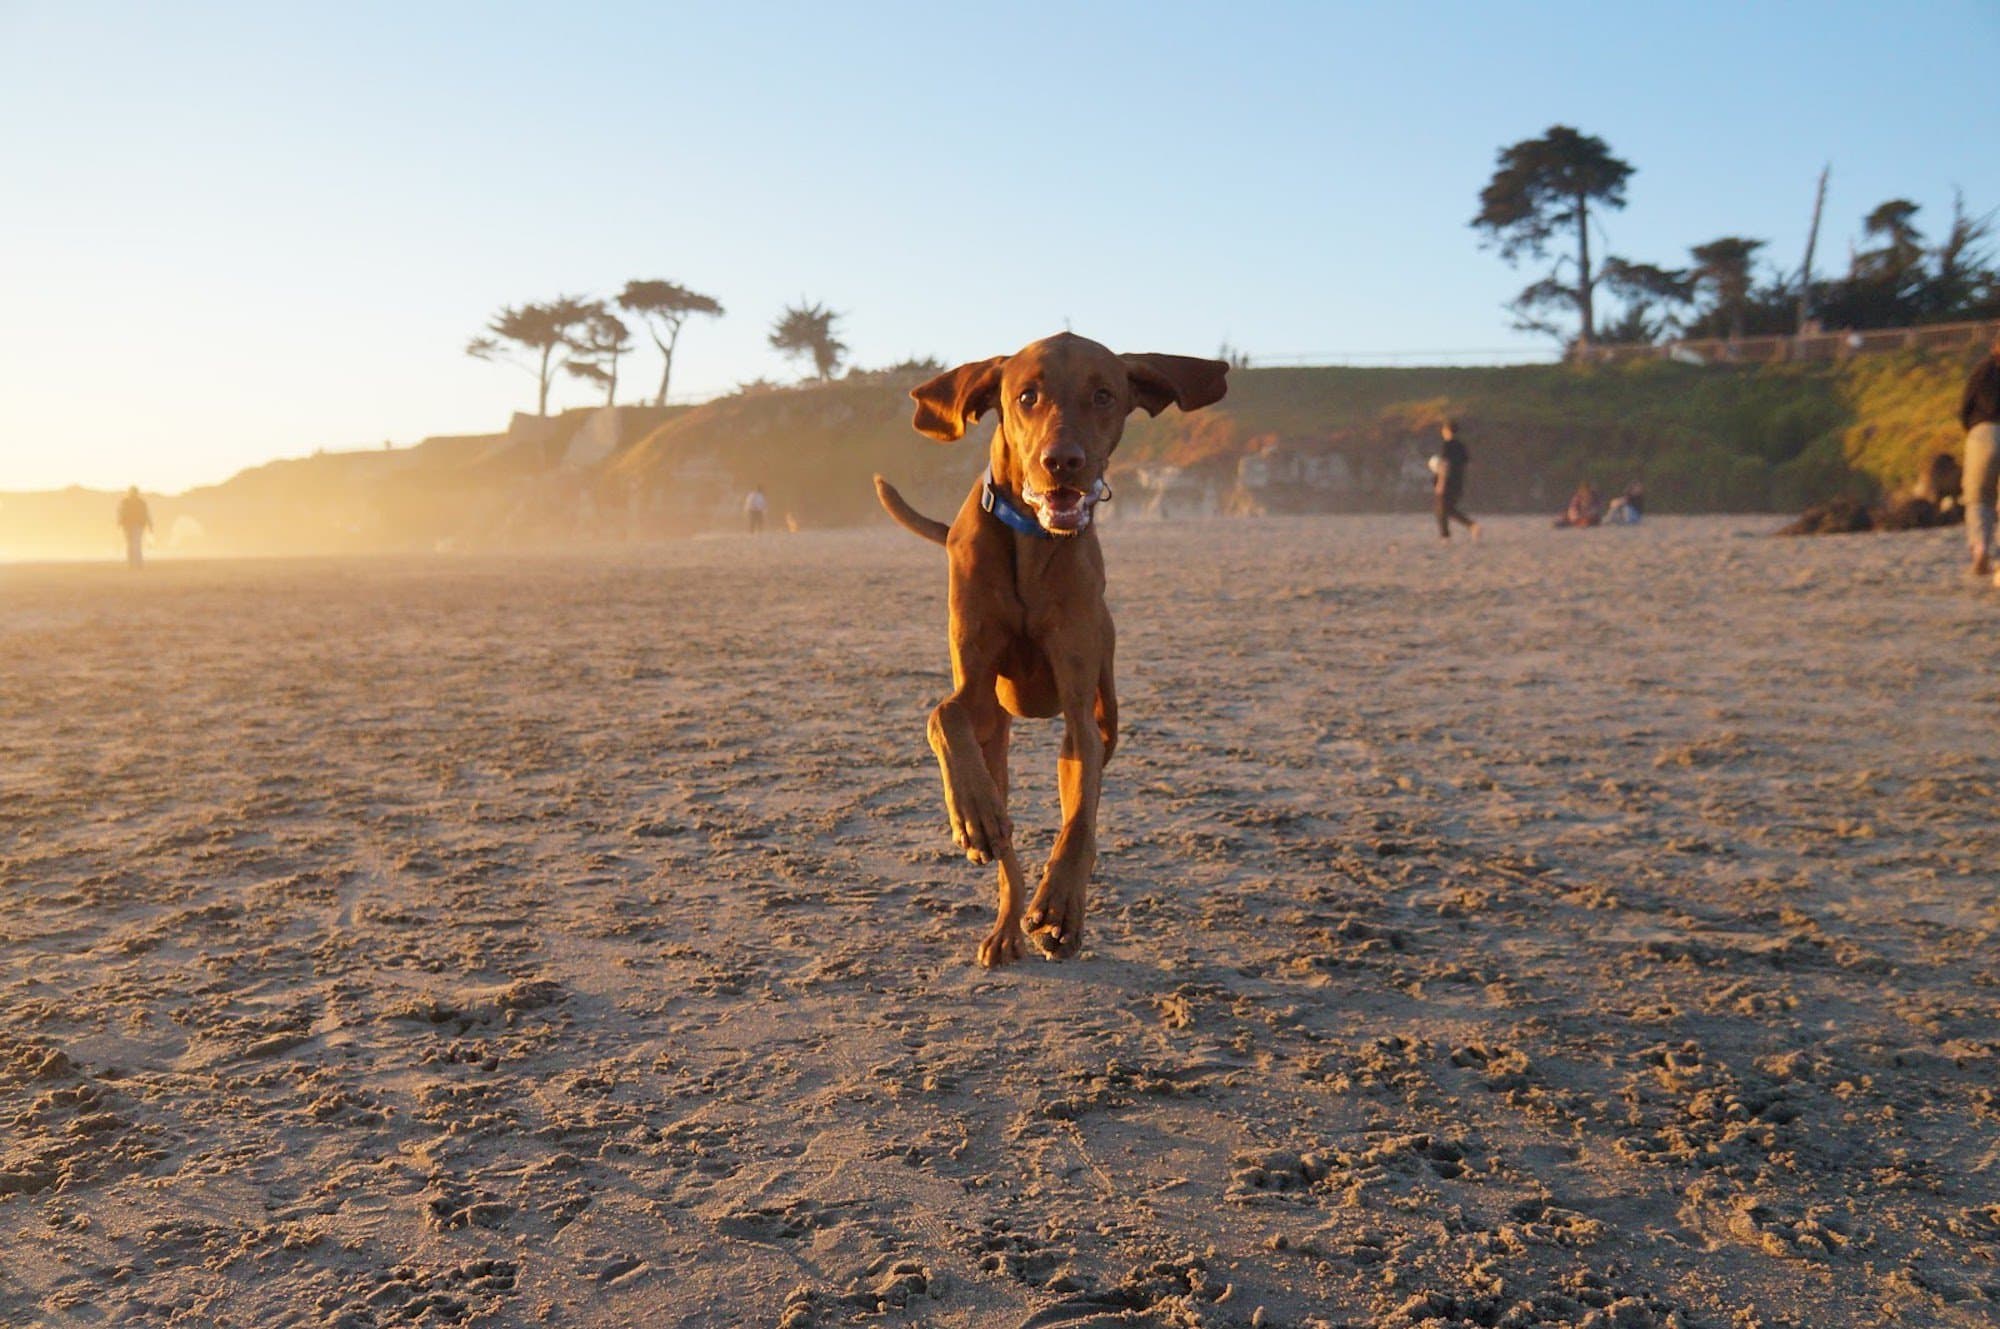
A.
pixel 1819 474
pixel 1904 408
pixel 1706 478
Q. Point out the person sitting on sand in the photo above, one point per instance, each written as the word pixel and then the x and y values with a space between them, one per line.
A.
pixel 1932 501
pixel 136 519
pixel 1941 485
pixel 1628 507
pixel 1585 509
pixel 1978 412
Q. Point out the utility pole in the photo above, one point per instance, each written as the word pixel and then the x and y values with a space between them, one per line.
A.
pixel 1812 240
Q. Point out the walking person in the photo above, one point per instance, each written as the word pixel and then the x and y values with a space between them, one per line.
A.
pixel 136 519
pixel 1451 462
pixel 1979 416
pixel 753 508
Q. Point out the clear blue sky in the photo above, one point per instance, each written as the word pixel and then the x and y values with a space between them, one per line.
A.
pixel 236 232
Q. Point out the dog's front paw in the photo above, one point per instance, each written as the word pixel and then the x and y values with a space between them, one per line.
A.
pixel 1055 923
pixel 982 831
pixel 1002 946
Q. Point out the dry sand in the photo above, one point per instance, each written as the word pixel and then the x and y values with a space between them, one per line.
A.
pixel 1577 928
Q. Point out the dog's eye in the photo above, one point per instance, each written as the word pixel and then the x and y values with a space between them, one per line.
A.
pixel 1100 398
pixel 1029 397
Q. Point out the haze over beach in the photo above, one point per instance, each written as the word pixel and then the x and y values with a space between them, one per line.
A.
pixel 480 859
pixel 237 233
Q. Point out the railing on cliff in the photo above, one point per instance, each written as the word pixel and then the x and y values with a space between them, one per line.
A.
pixel 1803 347
pixel 1482 357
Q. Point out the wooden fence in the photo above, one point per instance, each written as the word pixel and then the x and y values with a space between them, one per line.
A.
pixel 1806 346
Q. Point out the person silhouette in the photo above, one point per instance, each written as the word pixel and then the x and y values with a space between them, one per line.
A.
pixel 136 519
pixel 1585 508
pixel 1449 488
pixel 1979 417
pixel 1629 507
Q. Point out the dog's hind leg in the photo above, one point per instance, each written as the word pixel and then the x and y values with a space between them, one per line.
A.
pixel 1107 705
pixel 1003 944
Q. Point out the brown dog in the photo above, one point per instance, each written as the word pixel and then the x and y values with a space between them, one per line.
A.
pixel 1030 633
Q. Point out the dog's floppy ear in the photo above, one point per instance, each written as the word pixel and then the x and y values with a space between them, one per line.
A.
pixel 950 403
pixel 1160 381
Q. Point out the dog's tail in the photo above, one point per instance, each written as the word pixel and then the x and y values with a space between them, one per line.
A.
pixel 908 517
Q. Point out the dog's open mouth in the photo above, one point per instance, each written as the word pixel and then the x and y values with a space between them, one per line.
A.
pixel 1064 511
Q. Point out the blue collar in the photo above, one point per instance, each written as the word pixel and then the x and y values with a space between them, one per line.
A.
pixel 996 502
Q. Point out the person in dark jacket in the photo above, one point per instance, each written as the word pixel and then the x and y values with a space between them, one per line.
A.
pixel 1978 413
pixel 135 519
pixel 1450 464
pixel 1629 508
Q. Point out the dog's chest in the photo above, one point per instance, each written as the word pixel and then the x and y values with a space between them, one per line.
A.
pixel 1052 591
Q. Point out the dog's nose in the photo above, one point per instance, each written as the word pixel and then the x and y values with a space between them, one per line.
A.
pixel 1063 463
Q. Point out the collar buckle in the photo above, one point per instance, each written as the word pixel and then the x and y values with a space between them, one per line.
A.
pixel 992 500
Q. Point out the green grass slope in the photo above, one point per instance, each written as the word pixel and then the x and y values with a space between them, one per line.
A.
pixel 1703 438
pixel 813 450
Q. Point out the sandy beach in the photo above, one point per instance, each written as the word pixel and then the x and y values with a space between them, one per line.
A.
pixel 1587 928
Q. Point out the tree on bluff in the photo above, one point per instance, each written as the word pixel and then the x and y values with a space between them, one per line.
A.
pixel 596 350
pixel 1963 280
pixel 1650 295
pixel 665 306
pixel 806 331
pixel 1899 260
pixel 1901 281
pixel 530 336
pixel 1543 188
pixel 1722 272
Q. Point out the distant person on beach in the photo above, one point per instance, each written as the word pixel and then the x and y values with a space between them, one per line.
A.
pixel 136 519
pixel 1942 485
pixel 753 509
pixel 1585 508
pixel 1978 414
pixel 1450 464
pixel 1628 507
